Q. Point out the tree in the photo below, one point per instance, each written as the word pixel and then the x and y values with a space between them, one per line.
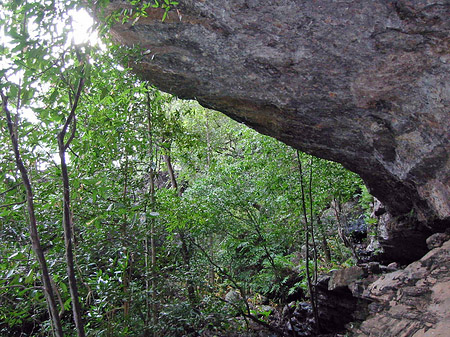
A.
pixel 35 241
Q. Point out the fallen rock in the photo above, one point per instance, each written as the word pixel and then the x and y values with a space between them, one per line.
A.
pixel 342 278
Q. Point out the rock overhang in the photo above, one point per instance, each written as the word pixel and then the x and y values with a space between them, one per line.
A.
pixel 366 84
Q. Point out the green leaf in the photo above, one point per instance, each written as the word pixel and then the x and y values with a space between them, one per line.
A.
pixel 67 303
pixel 54 95
pixel 104 92
pixel 30 277
pixel 14 34
pixel 63 287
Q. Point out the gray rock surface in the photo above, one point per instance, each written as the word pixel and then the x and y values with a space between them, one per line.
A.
pixel 412 302
pixel 409 302
pixel 340 299
pixel 344 277
pixel 363 83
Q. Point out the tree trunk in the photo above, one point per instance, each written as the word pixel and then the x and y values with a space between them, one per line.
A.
pixel 67 219
pixel 211 273
pixel 34 235
pixel 127 272
pixel 67 224
pixel 173 180
pixel 307 233
pixel 151 307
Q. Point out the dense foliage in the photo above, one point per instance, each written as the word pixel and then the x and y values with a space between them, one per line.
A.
pixel 183 222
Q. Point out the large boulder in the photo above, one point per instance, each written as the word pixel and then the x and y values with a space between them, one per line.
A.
pixel 363 83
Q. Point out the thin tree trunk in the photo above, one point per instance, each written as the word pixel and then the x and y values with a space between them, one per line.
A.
pixel 154 284
pixel 211 273
pixel 154 307
pixel 147 285
pixel 307 233
pixel 173 180
pixel 67 219
pixel 127 272
pixel 34 235
pixel 151 307
pixel 311 222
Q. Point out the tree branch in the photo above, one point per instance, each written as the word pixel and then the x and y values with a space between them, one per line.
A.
pixel 10 189
pixel 71 117
pixel 13 204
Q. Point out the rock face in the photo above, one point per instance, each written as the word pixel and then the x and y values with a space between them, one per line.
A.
pixel 409 302
pixel 414 302
pixel 339 299
pixel 363 83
